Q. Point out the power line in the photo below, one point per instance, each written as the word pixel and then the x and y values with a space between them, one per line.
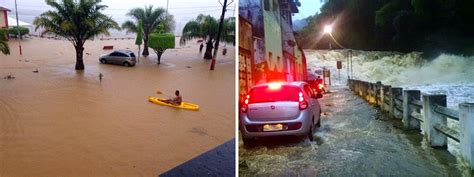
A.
pixel 194 7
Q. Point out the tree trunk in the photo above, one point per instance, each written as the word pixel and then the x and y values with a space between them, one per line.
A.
pixel 79 61
pixel 209 47
pixel 159 56
pixel 145 45
pixel 159 52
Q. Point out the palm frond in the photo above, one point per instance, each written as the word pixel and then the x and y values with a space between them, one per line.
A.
pixel 4 48
pixel 206 26
pixel 190 31
pixel 152 19
pixel 130 26
pixel 75 21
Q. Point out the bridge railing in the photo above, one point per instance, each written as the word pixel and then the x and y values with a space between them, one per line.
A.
pixel 423 112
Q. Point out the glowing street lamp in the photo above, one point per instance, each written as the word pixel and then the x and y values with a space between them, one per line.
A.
pixel 328 29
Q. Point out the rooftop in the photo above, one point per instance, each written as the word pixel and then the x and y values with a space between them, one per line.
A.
pixel 4 9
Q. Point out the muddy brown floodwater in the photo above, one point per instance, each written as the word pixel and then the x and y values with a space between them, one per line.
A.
pixel 59 122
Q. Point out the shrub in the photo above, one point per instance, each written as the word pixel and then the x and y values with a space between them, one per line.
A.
pixel 14 31
pixel 159 42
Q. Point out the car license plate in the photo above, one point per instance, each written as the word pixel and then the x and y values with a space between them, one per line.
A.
pixel 272 127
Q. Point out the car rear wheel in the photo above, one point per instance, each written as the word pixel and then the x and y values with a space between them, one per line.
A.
pixel 319 121
pixel 103 61
pixel 126 64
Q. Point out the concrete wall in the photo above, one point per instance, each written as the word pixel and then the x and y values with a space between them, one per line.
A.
pixel 3 21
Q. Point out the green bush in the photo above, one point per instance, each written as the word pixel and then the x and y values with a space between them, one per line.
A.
pixel 14 31
pixel 3 42
pixel 161 41
pixel 3 34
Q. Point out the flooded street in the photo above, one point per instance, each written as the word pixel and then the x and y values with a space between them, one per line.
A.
pixel 59 122
pixel 355 139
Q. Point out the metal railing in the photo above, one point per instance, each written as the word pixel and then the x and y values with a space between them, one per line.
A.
pixel 423 112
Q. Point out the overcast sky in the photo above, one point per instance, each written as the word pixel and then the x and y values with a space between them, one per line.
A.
pixel 183 10
pixel 308 8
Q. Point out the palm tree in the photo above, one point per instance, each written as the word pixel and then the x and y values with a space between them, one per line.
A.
pixel 3 43
pixel 206 27
pixel 151 19
pixel 76 22
pixel 228 30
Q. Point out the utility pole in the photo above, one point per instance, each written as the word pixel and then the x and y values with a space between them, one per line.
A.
pixel 18 28
pixel 221 24
pixel 167 4
pixel 347 64
pixel 350 58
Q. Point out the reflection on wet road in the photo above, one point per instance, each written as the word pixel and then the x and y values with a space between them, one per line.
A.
pixel 355 139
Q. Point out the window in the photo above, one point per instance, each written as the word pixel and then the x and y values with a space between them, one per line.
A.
pixel 308 90
pixel 265 94
pixel 275 5
pixel 114 54
pixel 118 54
pixel 132 55
pixel 266 5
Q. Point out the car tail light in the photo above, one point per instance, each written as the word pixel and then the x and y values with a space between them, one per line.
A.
pixel 274 85
pixel 294 126
pixel 245 106
pixel 303 103
pixel 321 86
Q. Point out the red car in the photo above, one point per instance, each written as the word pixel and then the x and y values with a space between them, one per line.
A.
pixel 317 85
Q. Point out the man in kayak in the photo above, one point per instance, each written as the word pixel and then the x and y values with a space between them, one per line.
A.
pixel 176 100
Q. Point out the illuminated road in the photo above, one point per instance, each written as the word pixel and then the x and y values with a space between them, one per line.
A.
pixel 355 139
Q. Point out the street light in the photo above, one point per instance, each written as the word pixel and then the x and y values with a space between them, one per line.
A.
pixel 328 29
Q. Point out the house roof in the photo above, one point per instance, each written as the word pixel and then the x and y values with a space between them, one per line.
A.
pixel 12 22
pixel 4 9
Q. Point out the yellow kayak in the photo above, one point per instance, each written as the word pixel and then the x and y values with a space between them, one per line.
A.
pixel 184 105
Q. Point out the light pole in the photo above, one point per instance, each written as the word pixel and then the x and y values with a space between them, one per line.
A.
pixel 328 30
pixel 18 28
pixel 350 58
pixel 218 37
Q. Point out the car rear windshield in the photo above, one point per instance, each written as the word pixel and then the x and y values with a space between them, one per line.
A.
pixel 265 94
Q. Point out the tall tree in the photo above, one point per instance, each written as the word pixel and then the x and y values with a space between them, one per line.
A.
pixel 151 18
pixel 139 39
pixel 206 27
pixel 76 21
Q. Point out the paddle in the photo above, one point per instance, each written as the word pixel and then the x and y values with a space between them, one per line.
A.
pixel 161 93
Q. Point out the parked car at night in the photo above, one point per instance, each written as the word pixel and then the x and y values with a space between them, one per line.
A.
pixel 277 109
pixel 119 57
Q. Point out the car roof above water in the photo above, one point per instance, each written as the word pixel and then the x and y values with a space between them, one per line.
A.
pixel 124 51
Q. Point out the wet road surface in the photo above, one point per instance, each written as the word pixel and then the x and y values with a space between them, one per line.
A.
pixel 355 139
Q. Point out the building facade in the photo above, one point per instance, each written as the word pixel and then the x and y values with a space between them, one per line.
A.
pixel 3 17
pixel 275 55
